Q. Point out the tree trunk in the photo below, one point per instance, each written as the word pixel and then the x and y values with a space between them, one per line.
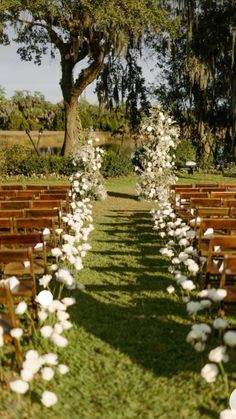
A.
pixel 205 144
pixel 70 136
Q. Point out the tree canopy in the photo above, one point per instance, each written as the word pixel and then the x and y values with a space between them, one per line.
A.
pixel 83 32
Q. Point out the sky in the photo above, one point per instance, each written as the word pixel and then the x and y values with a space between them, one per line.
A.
pixel 21 75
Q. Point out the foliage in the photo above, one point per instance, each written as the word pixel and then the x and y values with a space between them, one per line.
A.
pixel 81 31
pixel 21 160
pixel 185 151
pixel 159 136
pixel 115 164
pixel 200 69
pixel 122 83
pixel 100 118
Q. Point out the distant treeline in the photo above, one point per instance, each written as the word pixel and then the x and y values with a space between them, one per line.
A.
pixel 31 111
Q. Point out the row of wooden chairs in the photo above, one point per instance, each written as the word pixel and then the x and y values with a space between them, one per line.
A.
pixel 34 187
pixel 23 246
pixel 214 220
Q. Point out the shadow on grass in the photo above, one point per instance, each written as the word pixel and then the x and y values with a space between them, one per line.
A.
pixel 122 195
pixel 146 331
pixel 149 329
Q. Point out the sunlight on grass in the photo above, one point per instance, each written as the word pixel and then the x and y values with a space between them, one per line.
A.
pixel 127 355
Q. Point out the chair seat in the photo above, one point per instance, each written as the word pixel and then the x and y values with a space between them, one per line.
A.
pixel 23 289
pixel 17 268
pixel 215 268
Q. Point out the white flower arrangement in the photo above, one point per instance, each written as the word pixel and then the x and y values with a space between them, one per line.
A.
pixel 159 136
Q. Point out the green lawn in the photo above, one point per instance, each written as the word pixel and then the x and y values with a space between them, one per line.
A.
pixel 127 353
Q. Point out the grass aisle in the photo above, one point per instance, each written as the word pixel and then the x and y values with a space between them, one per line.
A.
pixel 127 353
pixel 133 361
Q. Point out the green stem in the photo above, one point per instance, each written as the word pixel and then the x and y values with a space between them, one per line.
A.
pixel 225 378
pixel 60 291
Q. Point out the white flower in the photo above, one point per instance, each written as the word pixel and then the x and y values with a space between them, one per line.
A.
pixel 64 276
pixel 218 354
pixel 21 308
pixel 63 369
pixel 26 375
pixel 209 372
pixel 49 398
pixel 66 325
pixel 56 252
pixel 220 324
pixel 170 289
pixel 230 338
pixel 228 414
pixel 68 301
pixel 205 303
pixel 232 400
pixel 44 281
pixel 192 266
pixel 16 333
pixel 188 285
pixel 193 307
pixel 50 358
pixel 46 331
pixel 59 340
pixel 19 386
pixel 62 315
pixel 33 365
pixel 44 298
pixel 53 267
pixel 217 295
pixel 47 373
pixel 31 354
pixel 58 328
pixel 42 315
pixel 199 346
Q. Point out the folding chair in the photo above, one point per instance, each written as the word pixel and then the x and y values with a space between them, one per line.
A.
pixel 219 246
pixel 8 319
pixel 34 240
pixel 24 284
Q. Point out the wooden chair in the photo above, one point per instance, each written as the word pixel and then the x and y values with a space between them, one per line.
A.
pixel 34 240
pixel 10 205
pixel 8 320
pixel 187 185
pixel 228 282
pixel 213 212
pixel 229 202
pixel 220 226
pixel 6 225
pixel 232 212
pixel 212 189
pixel 36 187
pixel 44 213
pixel 43 204
pixel 9 187
pixel 30 225
pixel 219 246
pixel 11 213
pixel 14 260
pixel 59 187
pixel 223 194
pixel 62 196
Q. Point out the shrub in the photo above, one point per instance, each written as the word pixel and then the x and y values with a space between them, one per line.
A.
pixel 20 160
pixel 116 165
pixel 185 151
